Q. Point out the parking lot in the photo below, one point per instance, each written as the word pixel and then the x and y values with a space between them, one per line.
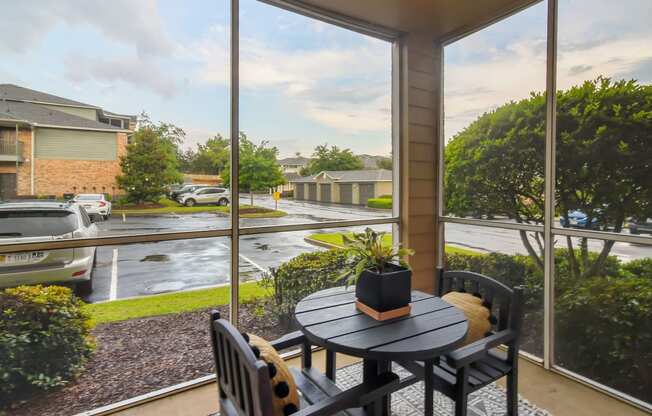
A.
pixel 151 268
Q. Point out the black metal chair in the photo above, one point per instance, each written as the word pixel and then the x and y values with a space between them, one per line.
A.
pixel 245 388
pixel 474 366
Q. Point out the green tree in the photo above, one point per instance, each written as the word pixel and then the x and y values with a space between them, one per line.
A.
pixel 331 159
pixel 150 163
pixel 209 158
pixel 385 163
pixel 495 166
pixel 259 169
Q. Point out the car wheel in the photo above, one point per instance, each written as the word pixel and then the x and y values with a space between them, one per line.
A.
pixel 223 202
pixel 105 217
pixel 85 288
pixel 189 202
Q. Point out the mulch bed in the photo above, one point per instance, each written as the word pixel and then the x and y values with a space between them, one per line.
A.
pixel 143 355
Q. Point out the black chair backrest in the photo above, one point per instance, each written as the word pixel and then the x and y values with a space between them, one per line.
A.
pixel 244 384
pixel 508 303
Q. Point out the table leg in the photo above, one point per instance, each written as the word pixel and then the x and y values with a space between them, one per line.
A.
pixel 386 401
pixel 370 371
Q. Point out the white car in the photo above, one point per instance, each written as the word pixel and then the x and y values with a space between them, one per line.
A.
pixel 26 222
pixel 208 195
pixel 94 204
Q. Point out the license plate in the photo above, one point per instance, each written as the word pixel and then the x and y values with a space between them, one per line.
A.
pixel 21 258
pixel 88 206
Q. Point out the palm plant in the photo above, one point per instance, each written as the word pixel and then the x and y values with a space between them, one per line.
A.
pixel 369 253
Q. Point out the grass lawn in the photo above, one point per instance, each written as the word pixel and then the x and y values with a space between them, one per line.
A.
pixel 166 206
pixel 120 310
pixel 336 240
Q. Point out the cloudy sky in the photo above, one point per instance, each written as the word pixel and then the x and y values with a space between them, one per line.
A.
pixel 507 60
pixel 303 82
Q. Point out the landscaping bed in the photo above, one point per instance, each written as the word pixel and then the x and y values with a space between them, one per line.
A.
pixel 142 355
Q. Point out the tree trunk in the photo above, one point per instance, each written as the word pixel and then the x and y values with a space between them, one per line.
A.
pixel 572 261
pixel 528 246
pixel 251 194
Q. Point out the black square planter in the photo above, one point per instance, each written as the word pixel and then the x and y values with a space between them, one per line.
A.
pixel 387 291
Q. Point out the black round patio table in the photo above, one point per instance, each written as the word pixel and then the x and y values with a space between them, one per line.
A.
pixel 329 319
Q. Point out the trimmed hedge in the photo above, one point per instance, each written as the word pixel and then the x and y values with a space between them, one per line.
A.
pixel 603 324
pixel 304 274
pixel 44 340
pixel 382 203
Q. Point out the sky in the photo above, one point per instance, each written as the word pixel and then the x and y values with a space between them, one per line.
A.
pixel 303 82
pixel 507 60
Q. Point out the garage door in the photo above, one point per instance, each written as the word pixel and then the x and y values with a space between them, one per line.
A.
pixel 312 191
pixel 298 191
pixel 366 192
pixel 325 189
pixel 346 193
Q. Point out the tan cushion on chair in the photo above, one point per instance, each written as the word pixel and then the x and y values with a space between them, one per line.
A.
pixel 477 315
pixel 285 397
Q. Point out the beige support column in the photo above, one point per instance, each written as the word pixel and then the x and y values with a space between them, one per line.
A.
pixel 418 227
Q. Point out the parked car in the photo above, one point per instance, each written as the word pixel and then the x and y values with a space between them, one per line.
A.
pixel 94 204
pixel 578 219
pixel 24 222
pixel 176 195
pixel 641 226
pixel 218 196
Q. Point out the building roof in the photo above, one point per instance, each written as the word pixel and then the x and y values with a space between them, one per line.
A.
pixel 291 176
pixel 38 115
pixel 368 175
pixel 17 93
pixel 299 160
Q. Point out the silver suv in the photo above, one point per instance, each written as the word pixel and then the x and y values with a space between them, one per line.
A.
pixel 208 195
pixel 24 222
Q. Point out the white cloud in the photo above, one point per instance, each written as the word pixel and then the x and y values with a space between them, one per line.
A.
pixel 339 87
pixel 139 73
pixel 23 24
pixel 512 73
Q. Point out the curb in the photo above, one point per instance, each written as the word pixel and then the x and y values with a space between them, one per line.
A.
pixel 322 244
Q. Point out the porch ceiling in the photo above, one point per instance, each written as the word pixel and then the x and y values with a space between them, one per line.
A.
pixel 438 18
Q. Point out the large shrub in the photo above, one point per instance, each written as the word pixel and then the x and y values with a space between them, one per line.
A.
pixel 381 202
pixel 44 340
pixel 603 324
pixel 304 274
pixel 603 330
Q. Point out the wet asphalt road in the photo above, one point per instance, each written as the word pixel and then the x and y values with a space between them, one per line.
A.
pixel 145 269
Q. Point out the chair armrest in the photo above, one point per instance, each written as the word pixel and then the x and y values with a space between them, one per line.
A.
pixel 478 349
pixel 357 396
pixel 289 340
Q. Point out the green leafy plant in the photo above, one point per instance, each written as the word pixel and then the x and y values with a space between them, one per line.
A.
pixel 44 340
pixel 369 252
pixel 301 276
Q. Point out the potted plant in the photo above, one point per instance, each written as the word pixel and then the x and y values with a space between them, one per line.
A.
pixel 383 280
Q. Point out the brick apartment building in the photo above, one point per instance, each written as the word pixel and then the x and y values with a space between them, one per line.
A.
pixel 51 145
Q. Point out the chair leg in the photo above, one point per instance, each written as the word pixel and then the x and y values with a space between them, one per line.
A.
pixel 461 394
pixel 428 376
pixel 330 364
pixel 512 393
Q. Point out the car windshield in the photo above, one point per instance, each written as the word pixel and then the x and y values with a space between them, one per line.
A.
pixel 89 197
pixel 36 223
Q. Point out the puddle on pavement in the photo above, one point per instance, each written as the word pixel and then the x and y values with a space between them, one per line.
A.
pixel 156 258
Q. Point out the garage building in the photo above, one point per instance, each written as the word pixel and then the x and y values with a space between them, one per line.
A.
pixel 353 187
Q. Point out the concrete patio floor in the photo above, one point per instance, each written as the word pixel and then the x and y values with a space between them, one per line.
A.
pixel 550 391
